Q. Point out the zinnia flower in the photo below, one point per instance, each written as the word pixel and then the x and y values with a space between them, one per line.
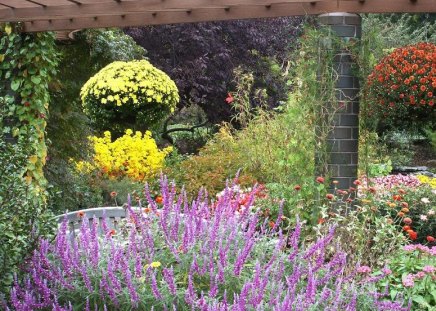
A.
pixel 158 199
pixel 329 196
pixel 297 188
pixel 320 179
pixel 430 239
pixel 113 194
pixel 413 235
pixel 407 221
pixel 80 214
pixel 397 197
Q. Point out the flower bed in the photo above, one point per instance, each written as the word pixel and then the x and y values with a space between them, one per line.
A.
pixel 209 259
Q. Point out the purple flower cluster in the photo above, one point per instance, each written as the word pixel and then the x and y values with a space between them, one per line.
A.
pixel 189 256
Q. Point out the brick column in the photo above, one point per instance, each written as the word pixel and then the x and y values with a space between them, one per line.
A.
pixel 342 143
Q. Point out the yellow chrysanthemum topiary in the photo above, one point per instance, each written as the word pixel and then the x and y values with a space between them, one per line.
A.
pixel 123 94
pixel 134 155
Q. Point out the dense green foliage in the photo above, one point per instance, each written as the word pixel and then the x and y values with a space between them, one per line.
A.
pixel 24 217
pixel 28 62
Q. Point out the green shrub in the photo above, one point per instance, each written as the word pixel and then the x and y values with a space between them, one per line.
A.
pixel 24 216
pixel 216 162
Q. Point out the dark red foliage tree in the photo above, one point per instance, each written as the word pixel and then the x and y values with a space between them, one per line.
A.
pixel 201 57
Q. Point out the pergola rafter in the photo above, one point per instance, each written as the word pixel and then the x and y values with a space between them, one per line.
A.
pixel 43 15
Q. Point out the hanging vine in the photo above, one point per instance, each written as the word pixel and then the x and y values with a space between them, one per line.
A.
pixel 27 63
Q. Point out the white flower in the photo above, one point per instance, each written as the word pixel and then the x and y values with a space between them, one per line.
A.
pixel 423 217
pixel 431 212
pixel 425 200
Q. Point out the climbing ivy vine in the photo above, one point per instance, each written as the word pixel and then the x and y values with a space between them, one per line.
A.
pixel 27 63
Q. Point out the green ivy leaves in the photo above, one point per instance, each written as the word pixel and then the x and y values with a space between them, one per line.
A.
pixel 27 63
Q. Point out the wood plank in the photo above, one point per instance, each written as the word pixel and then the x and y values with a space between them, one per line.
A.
pixel 52 2
pixel 132 6
pixel 19 4
pixel 239 12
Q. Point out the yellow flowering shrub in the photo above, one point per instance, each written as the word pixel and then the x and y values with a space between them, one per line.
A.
pixel 427 180
pixel 134 155
pixel 129 93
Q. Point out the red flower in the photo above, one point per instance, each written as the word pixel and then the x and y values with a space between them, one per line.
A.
pixel 372 189
pixel 397 197
pixel 329 196
pixel 413 235
pixel 297 188
pixel 113 194
pixel 147 210
pixel 402 191
pixel 406 228
pixel 430 239
pixel 229 98
pixel 158 199
pixel 357 182
pixel 404 77
pixel 405 204
pixel 80 214
pixel 112 232
pixel 320 179
pixel 321 221
pixel 271 224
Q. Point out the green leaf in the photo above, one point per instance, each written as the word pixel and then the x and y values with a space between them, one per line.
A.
pixel 36 79
pixel 15 84
pixel 421 301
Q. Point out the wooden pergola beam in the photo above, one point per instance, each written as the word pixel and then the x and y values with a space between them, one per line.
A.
pixel 44 15
pixel 124 7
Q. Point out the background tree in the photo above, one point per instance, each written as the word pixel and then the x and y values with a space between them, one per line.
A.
pixel 201 58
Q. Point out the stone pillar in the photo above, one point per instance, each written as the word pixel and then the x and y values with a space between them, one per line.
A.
pixel 342 143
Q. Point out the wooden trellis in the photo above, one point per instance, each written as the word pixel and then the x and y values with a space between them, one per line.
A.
pixel 44 15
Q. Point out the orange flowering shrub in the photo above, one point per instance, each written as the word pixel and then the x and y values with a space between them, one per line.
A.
pixel 402 84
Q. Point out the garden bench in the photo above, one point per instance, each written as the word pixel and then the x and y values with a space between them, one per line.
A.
pixel 113 216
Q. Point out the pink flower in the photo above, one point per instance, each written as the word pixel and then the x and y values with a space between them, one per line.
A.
pixel 364 269
pixel 386 271
pixel 408 281
pixel 420 275
pixel 229 98
pixel 429 269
